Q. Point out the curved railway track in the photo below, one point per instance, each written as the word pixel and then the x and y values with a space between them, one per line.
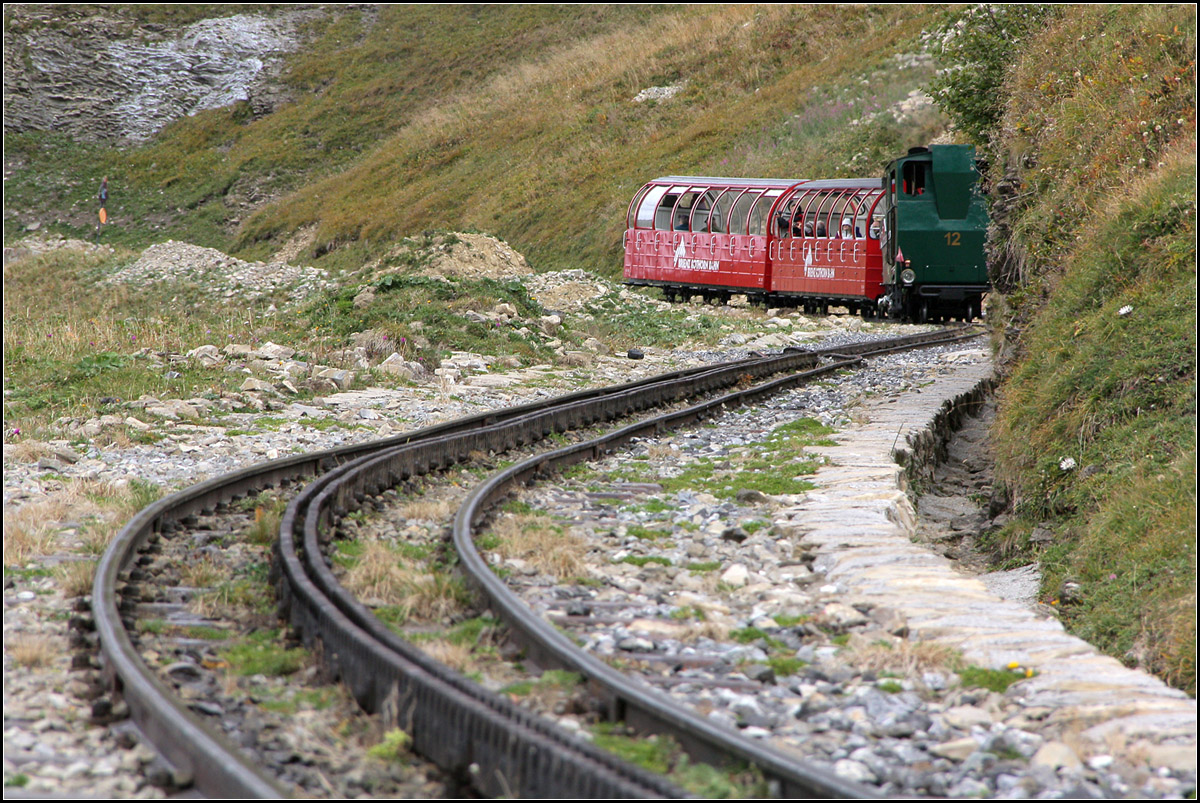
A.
pixel 501 749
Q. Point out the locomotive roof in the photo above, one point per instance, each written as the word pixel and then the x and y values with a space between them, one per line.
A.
pixel 773 183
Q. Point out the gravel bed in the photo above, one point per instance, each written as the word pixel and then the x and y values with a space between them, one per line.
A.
pixel 728 617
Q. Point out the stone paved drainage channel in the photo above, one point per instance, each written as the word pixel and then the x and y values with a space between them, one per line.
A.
pixel 718 608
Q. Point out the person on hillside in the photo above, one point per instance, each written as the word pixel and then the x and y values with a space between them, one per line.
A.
pixel 103 196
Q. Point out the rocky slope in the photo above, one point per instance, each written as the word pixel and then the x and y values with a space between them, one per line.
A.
pixel 120 81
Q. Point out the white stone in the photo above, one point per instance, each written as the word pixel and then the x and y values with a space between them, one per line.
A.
pixel 736 575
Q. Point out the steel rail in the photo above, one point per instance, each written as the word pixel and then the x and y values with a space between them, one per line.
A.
pixel 381 668
pixel 331 496
pixel 199 753
pixel 184 740
pixel 638 705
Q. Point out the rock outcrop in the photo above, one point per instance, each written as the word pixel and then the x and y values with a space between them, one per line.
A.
pixel 104 77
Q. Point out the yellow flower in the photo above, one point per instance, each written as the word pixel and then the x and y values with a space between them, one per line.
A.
pixel 1014 665
pixel 1028 673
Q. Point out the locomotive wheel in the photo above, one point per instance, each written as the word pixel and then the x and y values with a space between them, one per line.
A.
pixel 969 315
pixel 923 313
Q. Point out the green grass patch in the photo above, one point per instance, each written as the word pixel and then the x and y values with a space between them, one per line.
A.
pixel 784 666
pixel 643 560
pixel 651 506
pixel 204 632
pixel 749 635
pixel 297 700
pixel 395 743
pixel 662 755
pixel 262 653
pixel 645 533
pixel 997 680
pixel 550 679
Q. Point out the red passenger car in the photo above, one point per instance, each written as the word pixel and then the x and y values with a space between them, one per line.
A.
pixel 810 243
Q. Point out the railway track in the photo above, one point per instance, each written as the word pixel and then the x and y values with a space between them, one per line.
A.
pixel 461 727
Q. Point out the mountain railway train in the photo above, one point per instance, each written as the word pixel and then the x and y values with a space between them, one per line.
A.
pixel 907 246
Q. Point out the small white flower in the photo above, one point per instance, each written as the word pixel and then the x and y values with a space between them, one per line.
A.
pixel 1125 310
pixel 1067 463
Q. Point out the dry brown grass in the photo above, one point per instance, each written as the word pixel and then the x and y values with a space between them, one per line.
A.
pixel 31 530
pixel 75 578
pixel 428 510
pixel 23 542
pixel 908 659
pixel 547 547
pixel 29 451
pixel 30 651
pixel 717 631
pixel 657 451
pixel 202 573
pixel 456 656
pixel 384 576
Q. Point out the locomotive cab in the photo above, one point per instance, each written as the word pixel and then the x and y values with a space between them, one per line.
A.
pixel 935 223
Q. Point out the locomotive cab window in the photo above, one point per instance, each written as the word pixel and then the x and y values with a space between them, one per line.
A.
pixel 915 178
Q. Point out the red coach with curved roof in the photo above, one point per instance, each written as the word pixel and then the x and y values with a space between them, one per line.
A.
pixel 761 237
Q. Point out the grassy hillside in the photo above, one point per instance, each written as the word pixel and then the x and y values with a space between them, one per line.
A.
pixel 515 120
pixel 1096 433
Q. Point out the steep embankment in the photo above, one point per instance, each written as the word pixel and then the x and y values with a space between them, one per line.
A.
pixel 1097 423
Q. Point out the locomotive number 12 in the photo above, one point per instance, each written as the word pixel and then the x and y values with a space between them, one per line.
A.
pixel 953 238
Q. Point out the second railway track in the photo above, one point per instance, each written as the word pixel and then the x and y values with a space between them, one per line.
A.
pixel 350 475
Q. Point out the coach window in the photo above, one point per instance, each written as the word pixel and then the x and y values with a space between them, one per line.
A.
pixel 758 216
pixel 683 211
pixel 700 210
pixel 634 207
pixel 719 221
pixel 650 202
pixel 740 211
pixel 663 215
pixel 821 222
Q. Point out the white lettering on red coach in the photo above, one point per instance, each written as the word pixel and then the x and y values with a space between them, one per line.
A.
pixel 682 263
